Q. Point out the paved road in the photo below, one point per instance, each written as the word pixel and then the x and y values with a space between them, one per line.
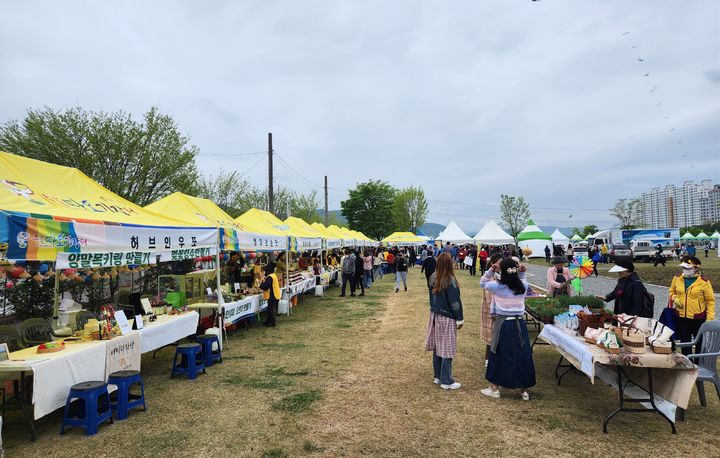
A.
pixel 601 285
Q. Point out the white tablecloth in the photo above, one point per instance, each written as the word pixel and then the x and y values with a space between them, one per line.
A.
pixel 85 361
pixel 168 329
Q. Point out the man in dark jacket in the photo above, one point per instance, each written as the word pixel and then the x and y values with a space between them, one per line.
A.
pixel 359 272
pixel 630 295
pixel 428 266
pixel 347 266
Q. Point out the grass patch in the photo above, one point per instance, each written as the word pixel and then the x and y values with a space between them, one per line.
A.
pixel 281 371
pixel 238 357
pixel 343 325
pixel 297 402
pixel 275 453
pixel 309 447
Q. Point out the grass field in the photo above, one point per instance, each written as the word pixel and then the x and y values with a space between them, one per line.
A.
pixel 349 377
pixel 662 276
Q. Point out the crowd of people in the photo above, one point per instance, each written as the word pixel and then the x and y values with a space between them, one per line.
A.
pixel 508 353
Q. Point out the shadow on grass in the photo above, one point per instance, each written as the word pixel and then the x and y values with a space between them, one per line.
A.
pixel 259 383
pixel 281 346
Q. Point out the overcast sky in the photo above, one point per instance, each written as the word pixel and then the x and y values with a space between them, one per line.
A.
pixel 547 99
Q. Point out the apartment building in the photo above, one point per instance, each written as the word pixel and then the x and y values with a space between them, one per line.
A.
pixel 680 206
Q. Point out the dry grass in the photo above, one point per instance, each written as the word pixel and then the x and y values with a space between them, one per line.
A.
pixel 350 378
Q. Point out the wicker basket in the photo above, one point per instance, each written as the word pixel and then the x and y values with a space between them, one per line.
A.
pixel 596 320
pixel 634 340
pixel 662 349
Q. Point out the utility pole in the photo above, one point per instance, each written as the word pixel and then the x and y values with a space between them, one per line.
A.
pixel 271 204
pixel 326 199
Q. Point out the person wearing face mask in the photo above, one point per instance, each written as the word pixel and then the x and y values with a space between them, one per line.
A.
pixel 630 295
pixel 558 279
pixel 693 299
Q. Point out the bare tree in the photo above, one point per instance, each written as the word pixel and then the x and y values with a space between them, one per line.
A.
pixel 515 213
pixel 628 213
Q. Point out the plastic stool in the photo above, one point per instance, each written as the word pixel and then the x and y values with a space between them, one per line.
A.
pixel 209 356
pixel 191 360
pixel 126 400
pixel 94 396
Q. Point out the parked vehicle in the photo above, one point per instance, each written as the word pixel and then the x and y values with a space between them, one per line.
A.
pixel 645 250
pixel 619 250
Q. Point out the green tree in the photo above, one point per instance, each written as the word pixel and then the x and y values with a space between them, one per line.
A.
pixel 628 213
pixel 233 194
pixel 140 161
pixel 589 230
pixel 410 209
pixel 515 213
pixel 368 208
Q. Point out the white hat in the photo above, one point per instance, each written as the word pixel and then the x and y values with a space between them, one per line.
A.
pixel 617 269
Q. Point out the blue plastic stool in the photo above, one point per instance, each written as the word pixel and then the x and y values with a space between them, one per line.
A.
pixel 209 356
pixel 126 400
pixel 191 360
pixel 93 395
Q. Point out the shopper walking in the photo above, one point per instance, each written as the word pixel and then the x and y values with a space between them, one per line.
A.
pixel 482 259
pixel 693 298
pixel 630 295
pixel 359 273
pixel 547 254
pixel 347 266
pixel 429 266
pixel 378 263
pixel 446 317
pixel 511 363
pixel 368 268
pixel 401 263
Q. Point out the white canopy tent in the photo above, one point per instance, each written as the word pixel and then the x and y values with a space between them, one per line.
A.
pixel 559 238
pixel 453 234
pixel 492 234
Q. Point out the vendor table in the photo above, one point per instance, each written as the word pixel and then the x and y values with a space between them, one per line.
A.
pixel 662 383
pixel 82 361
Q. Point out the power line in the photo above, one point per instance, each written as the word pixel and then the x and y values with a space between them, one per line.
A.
pixel 232 154
pixel 296 173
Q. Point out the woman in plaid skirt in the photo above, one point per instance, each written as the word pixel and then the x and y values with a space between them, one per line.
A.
pixel 446 317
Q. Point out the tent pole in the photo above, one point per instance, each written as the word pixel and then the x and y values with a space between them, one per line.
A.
pixel 221 312
pixel 56 298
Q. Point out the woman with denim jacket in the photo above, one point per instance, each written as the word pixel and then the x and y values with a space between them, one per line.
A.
pixel 446 317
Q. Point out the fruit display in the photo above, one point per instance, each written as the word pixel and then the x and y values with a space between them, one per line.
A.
pixel 51 347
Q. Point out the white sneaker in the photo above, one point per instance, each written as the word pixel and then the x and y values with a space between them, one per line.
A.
pixel 489 392
pixel 486 363
pixel 452 386
pixel 436 381
pixel 525 396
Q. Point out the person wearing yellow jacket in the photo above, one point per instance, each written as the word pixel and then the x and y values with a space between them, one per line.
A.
pixel 271 293
pixel 694 300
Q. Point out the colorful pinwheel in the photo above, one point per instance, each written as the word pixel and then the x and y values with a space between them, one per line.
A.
pixel 581 266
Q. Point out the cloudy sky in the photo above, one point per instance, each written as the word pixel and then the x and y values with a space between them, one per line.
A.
pixel 547 99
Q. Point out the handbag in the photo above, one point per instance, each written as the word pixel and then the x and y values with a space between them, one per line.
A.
pixel 667 317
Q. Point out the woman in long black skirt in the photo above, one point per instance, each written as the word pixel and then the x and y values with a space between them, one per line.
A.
pixel 510 364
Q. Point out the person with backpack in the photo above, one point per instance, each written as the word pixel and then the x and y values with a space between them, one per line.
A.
pixel 347 266
pixel 446 317
pixel 630 295
pixel 428 266
pixel 401 264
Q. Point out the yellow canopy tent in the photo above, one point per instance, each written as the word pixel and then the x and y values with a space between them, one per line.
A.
pixel 403 238
pixel 304 236
pixel 347 240
pixel 232 236
pixel 50 212
pixel 264 222
pixel 332 240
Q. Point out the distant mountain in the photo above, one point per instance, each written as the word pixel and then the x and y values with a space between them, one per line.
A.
pixel 431 229
pixel 334 216
pixel 567 231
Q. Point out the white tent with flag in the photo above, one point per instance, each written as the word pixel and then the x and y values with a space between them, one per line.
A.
pixel 559 238
pixel 535 239
pixel 492 234
pixel 453 234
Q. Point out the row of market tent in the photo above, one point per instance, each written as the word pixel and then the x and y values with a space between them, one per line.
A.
pixel 702 236
pixel 50 212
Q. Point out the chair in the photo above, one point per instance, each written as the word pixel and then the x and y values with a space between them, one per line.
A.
pixel 706 359
pixel 190 362
pixel 35 331
pixel 82 318
pixel 209 356
pixel 124 399
pixel 10 336
pixel 92 409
